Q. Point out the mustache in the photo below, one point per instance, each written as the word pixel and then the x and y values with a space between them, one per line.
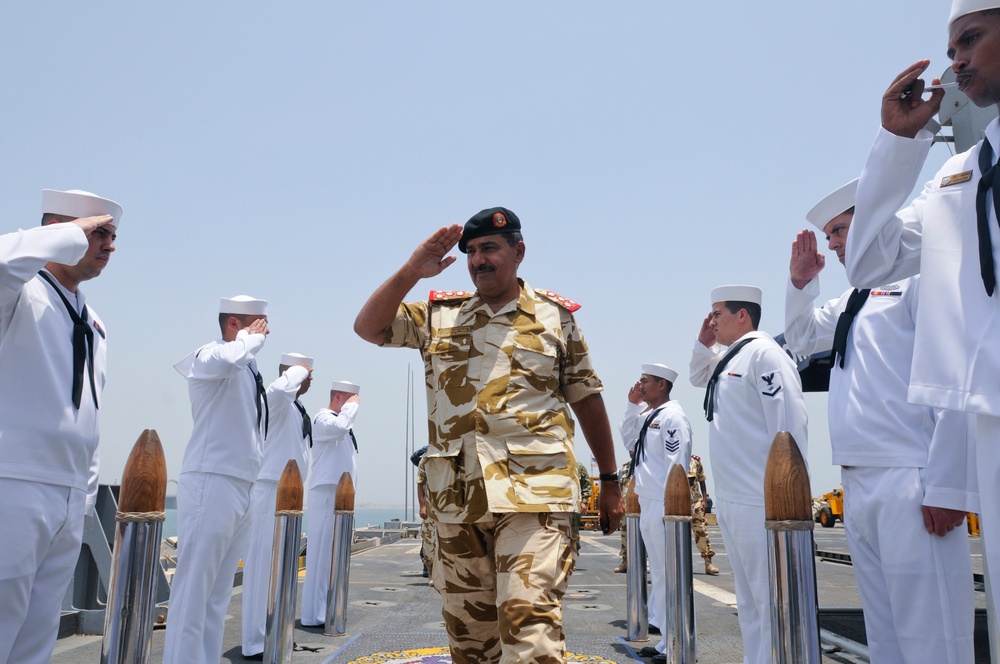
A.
pixel 484 268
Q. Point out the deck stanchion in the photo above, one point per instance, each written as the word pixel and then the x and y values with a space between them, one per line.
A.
pixel 791 565
pixel 340 561
pixel 279 636
pixel 679 632
pixel 128 621
pixel 636 603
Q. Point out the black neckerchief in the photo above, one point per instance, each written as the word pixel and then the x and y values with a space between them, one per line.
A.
pixel 709 404
pixel 83 346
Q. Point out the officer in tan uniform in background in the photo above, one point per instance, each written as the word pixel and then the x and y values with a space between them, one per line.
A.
pixel 699 496
pixel 503 365
pixel 624 476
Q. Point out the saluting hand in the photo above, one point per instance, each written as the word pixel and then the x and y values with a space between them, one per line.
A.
pixel 904 111
pixel 806 262
pixel 259 326
pixel 431 257
pixel 634 394
pixel 707 335
pixel 91 224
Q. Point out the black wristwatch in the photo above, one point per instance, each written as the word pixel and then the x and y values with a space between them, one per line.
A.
pixel 609 477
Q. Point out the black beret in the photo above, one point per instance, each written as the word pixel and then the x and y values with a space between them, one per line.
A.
pixel 491 221
pixel 415 457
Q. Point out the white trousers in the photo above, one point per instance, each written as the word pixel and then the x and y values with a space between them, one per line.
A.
pixel 654 539
pixel 257 565
pixel 916 588
pixel 319 553
pixel 746 545
pixel 988 466
pixel 42 527
pixel 213 524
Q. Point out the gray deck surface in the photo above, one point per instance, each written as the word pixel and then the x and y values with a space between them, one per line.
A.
pixel 392 609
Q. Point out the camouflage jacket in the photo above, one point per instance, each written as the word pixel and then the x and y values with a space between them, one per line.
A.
pixel 696 475
pixel 498 393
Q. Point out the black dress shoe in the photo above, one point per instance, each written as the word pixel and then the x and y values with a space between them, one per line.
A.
pixel 648 651
pixel 659 659
pixel 653 629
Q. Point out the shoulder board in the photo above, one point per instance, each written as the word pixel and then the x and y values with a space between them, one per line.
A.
pixel 446 295
pixel 564 302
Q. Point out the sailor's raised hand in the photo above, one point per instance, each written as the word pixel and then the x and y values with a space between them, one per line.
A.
pixel 904 111
pixel 806 262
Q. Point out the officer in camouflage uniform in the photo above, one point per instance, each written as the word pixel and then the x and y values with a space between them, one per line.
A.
pixel 699 495
pixel 503 367
pixel 428 534
pixel 624 477
pixel 586 488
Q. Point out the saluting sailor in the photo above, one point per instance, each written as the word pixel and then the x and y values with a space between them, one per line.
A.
pixel 53 368
pixel 948 234
pixel 657 433
pixel 221 462
pixel 289 437
pixel 503 365
pixel 905 467
pixel 335 452
pixel 753 392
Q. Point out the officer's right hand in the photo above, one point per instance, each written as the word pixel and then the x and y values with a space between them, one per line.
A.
pixel 91 224
pixel 431 257
pixel 806 262
pixel 707 335
pixel 904 111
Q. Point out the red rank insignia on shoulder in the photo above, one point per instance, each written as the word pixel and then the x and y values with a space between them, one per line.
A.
pixel 442 295
pixel 564 302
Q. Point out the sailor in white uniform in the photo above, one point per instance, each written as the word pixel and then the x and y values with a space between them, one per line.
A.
pixel 49 423
pixel 905 467
pixel 657 434
pixel 289 438
pixel 948 234
pixel 753 392
pixel 334 453
pixel 220 464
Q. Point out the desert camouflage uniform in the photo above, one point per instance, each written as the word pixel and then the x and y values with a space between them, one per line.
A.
pixel 623 478
pixel 428 534
pixel 696 475
pixel 501 474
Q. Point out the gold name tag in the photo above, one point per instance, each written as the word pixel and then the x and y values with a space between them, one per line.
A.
pixel 957 178
pixel 444 333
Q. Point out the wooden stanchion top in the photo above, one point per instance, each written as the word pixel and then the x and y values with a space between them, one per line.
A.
pixel 144 480
pixel 787 496
pixel 289 489
pixel 677 496
pixel 344 500
pixel 632 499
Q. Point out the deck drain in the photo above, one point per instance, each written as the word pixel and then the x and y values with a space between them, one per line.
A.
pixel 389 589
pixel 373 603
pixel 588 606
pixel 582 593
pixel 436 626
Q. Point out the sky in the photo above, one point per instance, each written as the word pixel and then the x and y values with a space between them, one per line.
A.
pixel 298 152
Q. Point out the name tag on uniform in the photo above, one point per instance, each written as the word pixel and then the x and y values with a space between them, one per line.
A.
pixel 957 178
pixel 454 331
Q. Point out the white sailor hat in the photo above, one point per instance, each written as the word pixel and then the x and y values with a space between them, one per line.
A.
pixel 660 371
pixel 960 8
pixel 345 386
pixel 243 304
pixel 292 359
pixel 76 203
pixel 737 294
pixel 833 204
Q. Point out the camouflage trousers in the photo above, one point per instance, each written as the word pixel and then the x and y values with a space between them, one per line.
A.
pixel 700 530
pixel 428 545
pixel 623 551
pixel 502 582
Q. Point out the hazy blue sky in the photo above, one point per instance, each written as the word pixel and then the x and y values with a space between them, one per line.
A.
pixel 299 151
